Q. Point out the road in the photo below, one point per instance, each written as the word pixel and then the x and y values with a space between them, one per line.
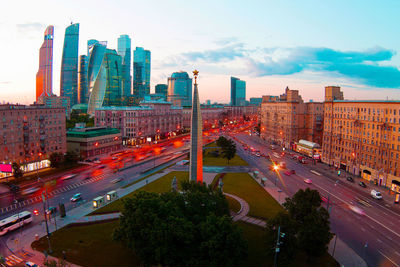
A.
pixel 374 235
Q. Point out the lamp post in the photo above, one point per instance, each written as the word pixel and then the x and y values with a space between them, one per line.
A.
pixel 45 219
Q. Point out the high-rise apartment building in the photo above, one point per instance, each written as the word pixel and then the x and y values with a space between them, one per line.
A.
pixel 363 137
pixel 180 89
pixel 287 119
pixel 44 76
pixel 29 134
pixel 69 64
pixel 141 72
pixel 83 92
pixel 124 50
pixel 162 89
pixel 238 92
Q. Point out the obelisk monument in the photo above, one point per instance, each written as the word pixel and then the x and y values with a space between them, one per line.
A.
pixel 196 137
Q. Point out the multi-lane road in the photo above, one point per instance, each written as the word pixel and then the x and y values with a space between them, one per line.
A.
pixel 374 233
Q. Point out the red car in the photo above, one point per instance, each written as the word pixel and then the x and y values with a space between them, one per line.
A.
pixel 289 172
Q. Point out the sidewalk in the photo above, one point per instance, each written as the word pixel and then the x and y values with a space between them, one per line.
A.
pixel 343 253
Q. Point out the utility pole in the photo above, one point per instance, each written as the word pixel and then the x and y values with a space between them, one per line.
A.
pixel 45 219
pixel 277 246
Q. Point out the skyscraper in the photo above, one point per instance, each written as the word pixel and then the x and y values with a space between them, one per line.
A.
pixel 124 50
pixel 69 64
pixel 238 92
pixel 162 89
pixel 44 76
pixel 180 89
pixel 83 92
pixel 141 72
pixel 196 137
pixel 104 77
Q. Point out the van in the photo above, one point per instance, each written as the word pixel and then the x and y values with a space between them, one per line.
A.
pixel 376 194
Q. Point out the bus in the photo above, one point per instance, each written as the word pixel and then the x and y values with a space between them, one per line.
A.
pixel 309 149
pixel 15 221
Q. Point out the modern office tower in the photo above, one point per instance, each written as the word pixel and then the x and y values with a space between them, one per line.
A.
pixel 180 89
pixel 162 89
pixel 104 77
pixel 90 43
pixel 44 76
pixel 141 72
pixel 196 138
pixel 96 75
pixel 238 92
pixel 124 50
pixel 83 92
pixel 69 64
pixel 113 66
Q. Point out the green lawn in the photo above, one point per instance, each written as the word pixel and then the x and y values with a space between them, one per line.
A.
pixel 160 185
pixel 234 205
pixel 257 247
pixel 210 160
pixel 262 204
pixel 89 245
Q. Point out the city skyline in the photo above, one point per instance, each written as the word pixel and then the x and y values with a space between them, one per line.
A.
pixel 355 51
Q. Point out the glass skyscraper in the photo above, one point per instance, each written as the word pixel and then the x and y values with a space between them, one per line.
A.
pixel 83 92
pixel 162 89
pixel 69 64
pixel 238 92
pixel 141 72
pixel 104 77
pixel 180 89
pixel 124 50
pixel 44 76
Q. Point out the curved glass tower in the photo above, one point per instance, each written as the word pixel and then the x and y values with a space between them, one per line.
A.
pixel 180 89
pixel 44 76
pixel 69 64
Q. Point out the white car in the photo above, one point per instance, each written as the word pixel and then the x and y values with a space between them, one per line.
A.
pixel 76 197
pixel 31 264
pixel 356 210
pixel 376 194
pixel 68 176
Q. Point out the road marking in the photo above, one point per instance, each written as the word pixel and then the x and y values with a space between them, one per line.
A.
pixel 366 215
pixel 389 259
pixel 397 253
pixel 387 205
pixel 380 241
pixel 385 213
pixel 389 238
pixel 317 173
pixel 362 229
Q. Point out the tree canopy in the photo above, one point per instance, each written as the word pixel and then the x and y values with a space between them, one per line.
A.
pixel 228 147
pixel 188 228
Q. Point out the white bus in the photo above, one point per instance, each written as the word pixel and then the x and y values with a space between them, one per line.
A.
pixel 15 221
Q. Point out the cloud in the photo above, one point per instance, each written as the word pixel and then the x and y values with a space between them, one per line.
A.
pixel 32 26
pixel 225 53
pixel 226 40
pixel 361 66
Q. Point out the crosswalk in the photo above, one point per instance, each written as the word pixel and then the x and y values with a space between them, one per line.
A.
pixel 52 193
pixel 13 260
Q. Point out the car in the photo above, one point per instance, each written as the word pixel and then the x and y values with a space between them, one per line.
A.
pixel 376 194
pixel 282 165
pixel 51 210
pixel 101 167
pixel 114 158
pixel 362 184
pixel 308 181
pixel 350 179
pixel 258 154
pixel 88 160
pixel 356 209
pixel 68 176
pixel 29 191
pixel 31 264
pixel 97 161
pixel 76 197
pixel 289 172
pixel 116 180
pixel 14 188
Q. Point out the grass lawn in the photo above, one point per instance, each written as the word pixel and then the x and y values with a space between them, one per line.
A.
pixel 262 204
pixel 234 205
pixel 89 245
pixel 210 160
pixel 257 247
pixel 161 185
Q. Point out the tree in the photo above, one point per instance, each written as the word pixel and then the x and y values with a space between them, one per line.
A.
pixel 71 158
pixel 54 263
pixel 222 141
pixel 56 159
pixel 229 150
pixel 312 221
pixel 191 228
pixel 288 246
pixel 18 173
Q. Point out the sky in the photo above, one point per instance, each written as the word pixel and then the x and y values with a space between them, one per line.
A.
pixel 305 45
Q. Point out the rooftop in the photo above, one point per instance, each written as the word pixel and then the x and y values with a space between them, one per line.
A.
pixel 91 132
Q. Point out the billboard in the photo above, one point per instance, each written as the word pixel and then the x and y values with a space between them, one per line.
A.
pixel 5 168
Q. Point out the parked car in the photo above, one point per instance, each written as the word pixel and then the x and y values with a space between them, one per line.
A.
pixel 376 194
pixel 308 181
pixel 76 197
pixel 350 179
pixel 362 184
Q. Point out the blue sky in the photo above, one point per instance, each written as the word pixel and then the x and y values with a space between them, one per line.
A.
pixel 305 45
